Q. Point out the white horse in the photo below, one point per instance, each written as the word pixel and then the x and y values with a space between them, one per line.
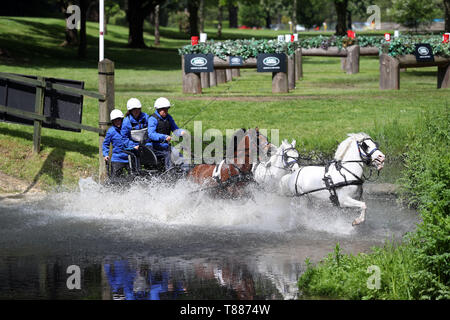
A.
pixel 341 180
pixel 283 161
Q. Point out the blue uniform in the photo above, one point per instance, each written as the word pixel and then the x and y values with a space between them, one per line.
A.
pixel 130 123
pixel 114 137
pixel 157 138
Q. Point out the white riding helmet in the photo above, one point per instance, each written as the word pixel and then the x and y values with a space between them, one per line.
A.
pixel 162 103
pixel 115 114
pixel 133 103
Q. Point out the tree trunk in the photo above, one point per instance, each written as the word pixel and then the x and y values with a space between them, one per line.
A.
pixel 71 33
pixel 294 16
pixel 268 19
pixel 349 20
pixel 135 17
pixel 447 15
pixel 201 18
pixel 341 11
pixel 157 25
pixel 219 25
pixel 233 15
pixel 83 44
pixel 193 17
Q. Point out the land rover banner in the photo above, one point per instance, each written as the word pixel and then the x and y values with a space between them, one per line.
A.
pixel 424 53
pixel 198 63
pixel 271 62
pixel 236 61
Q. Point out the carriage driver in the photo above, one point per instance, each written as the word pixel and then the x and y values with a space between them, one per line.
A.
pixel 119 159
pixel 160 126
pixel 134 127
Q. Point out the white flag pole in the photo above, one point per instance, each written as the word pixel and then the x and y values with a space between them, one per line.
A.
pixel 101 53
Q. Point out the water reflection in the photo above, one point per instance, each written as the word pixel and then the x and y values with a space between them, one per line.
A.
pixel 127 283
pixel 142 279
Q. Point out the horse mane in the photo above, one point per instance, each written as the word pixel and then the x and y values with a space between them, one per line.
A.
pixel 344 145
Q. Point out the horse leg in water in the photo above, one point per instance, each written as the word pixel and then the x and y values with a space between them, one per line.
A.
pixel 348 202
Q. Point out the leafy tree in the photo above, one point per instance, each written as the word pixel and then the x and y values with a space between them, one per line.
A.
pixel 413 13
pixel 311 13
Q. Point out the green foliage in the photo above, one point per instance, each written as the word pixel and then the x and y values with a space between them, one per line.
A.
pixel 251 15
pixel 346 276
pixel 244 48
pixel 406 45
pixel 418 268
pixel 412 13
pixel 426 185
pixel 250 48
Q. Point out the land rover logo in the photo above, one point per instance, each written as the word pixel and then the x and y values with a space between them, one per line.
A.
pixel 235 60
pixel 199 61
pixel 423 51
pixel 271 61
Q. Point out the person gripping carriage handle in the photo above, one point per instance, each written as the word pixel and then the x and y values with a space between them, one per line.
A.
pixel 160 126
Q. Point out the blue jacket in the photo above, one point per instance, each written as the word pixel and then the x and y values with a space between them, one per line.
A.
pixel 129 123
pixel 158 139
pixel 114 137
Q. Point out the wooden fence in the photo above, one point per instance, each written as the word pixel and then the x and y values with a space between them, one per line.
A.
pixel 390 70
pixel 350 57
pixel 282 82
pixel 105 97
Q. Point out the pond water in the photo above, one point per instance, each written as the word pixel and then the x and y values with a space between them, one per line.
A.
pixel 168 242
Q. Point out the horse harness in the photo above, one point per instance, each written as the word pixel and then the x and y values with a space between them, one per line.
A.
pixel 330 185
pixel 243 176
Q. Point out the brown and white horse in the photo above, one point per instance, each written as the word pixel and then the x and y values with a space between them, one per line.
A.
pixel 228 177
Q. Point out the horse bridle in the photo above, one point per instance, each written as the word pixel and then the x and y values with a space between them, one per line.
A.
pixel 284 157
pixel 362 149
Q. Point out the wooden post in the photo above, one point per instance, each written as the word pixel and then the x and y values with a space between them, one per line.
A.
pixel 280 81
pixel 39 109
pixel 191 81
pixel 443 77
pixel 298 64
pixel 343 63
pixel 389 73
pixel 228 75
pixel 221 76
pixel 352 60
pixel 212 79
pixel 291 71
pixel 235 73
pixel 105 87
pixel 204 77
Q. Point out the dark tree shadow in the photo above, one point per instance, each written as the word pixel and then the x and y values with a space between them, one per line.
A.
pixel 53 167
pixel 68 145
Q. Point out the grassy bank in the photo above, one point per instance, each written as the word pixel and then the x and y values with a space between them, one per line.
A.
pixel 417 268
pixel 326 105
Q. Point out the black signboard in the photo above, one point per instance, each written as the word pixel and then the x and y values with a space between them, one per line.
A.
pixel 271 62
pixel 424 53
pixel 198 63
pixel 57 104
pixel 236 61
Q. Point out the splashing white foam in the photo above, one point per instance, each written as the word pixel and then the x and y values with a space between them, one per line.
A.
pixel 152 204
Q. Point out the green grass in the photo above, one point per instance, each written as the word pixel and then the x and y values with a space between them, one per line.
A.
pixel 326 104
